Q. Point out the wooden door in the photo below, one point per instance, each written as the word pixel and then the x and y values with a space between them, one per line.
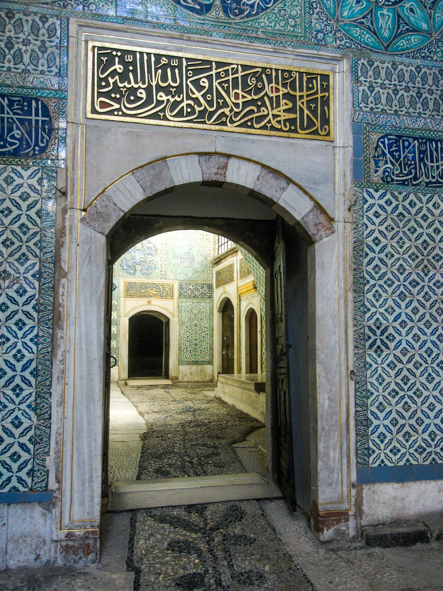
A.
pixel 166 348
pixel 109 362
pixel 253 342
pixel 285 464
pixel 228 345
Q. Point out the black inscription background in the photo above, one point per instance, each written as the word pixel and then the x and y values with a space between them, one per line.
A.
pixel 191 91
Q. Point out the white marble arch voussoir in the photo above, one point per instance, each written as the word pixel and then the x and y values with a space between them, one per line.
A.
pixel 287 198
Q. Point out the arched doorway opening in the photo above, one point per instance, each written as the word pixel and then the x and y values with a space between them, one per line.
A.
pixel 251 342
pixel 315 362
pixel 228 336
pixel 148 345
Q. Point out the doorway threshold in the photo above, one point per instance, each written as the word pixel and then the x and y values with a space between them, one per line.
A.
pixel 172 492
pixel 148 382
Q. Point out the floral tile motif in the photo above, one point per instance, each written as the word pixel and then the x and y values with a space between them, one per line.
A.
pixel 400 88
pixel 195 332
pixel 394 28
pixel 15 472
pixel 29 43
pixel 17 407
pixel 399 403
pixel 27 237
pixel 99 6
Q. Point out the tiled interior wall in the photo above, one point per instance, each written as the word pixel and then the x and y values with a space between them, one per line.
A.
pixel 397 52
pixel 399 332
pixel 33 61
pixel 183 256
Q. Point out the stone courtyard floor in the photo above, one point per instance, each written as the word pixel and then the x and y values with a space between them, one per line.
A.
pixel 230 546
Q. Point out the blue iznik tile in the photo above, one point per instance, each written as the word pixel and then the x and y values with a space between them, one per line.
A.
pixel 22 275
pixel 24 179
pixel 43 29
pixel 16 407
pixel 402 316
pixel 15 472
pixel 18 369
pixel 100 6
pixel 16 438
pixel 15 336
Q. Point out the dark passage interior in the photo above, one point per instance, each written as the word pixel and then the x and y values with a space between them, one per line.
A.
pixel 228 338
pixel 253 343
pixel 147 352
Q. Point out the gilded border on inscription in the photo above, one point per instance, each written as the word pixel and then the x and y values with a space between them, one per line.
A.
pixel 255 106
pixel 145 289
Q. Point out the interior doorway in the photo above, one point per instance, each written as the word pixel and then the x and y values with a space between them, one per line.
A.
pixel 227 335
pixel 148 347
pixel 248 217
pixel 251 335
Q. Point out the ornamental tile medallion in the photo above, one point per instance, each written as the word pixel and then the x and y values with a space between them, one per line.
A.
pixel 27 127
pixel 392 26
pixel 182 90
pixel 224 276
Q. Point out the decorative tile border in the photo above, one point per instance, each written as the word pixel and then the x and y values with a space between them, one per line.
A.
pixel 361 395
pixel 399 473
pixel 195 290
pixel 400 121
pixel 398 88
pixel 224 276
pixel 25 497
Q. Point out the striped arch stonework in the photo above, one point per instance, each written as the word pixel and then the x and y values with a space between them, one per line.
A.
pixel 249 178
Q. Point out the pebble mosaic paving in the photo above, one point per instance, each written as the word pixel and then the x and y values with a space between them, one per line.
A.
pixel 219 547
pixel 189 433
pixel 222 546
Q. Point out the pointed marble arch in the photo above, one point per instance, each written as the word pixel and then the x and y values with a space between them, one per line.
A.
pixel 247 177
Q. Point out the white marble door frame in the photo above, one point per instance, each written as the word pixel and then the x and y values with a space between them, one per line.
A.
pixel 112 167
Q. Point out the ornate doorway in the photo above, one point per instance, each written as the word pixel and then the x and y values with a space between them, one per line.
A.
pixel 148 348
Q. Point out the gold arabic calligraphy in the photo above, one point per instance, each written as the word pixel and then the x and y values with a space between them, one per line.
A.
pixel 142 289
pixel 191 91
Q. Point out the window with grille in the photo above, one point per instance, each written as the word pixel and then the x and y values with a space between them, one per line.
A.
pixel 224 244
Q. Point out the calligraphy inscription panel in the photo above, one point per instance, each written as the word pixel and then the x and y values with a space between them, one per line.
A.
pixel 181 90
pixel 26 127
pixel 142 289
pixel 407 160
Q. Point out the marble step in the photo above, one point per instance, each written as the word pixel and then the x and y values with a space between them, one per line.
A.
pixel 148 382
pixel 170 492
